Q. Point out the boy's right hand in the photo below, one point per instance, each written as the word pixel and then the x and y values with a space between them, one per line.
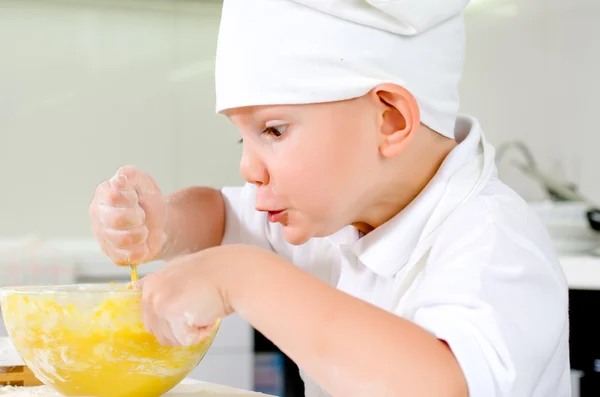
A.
pixel 129 215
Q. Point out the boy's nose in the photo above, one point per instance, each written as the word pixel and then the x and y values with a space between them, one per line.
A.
pixel 252 169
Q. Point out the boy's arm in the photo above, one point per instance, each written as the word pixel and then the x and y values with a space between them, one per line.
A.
pixel 195 221
pixel 348 346
pixel 202 217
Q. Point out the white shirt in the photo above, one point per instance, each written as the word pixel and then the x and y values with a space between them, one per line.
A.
pixel 467 260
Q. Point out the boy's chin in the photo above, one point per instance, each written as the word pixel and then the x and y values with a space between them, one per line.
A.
pixel 296 235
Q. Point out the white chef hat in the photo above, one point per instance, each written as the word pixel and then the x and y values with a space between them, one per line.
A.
pixel 279 52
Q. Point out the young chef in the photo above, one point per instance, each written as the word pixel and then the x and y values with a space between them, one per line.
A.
pixel 418 273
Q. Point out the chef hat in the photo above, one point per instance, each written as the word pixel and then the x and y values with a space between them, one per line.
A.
pixel 279 52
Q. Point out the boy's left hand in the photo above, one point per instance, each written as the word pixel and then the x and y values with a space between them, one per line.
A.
pixel 182 301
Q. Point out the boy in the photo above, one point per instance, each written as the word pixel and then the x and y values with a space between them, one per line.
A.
pixel 418 273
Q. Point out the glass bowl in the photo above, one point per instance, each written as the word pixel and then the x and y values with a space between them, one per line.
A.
pixel 89 340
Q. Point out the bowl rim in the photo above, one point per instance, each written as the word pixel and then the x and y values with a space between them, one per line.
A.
pixel 69 289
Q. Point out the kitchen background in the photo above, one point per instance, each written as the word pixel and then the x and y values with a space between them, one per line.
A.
pixel 89 85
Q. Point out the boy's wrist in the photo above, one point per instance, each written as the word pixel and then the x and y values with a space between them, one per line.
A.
pixel 165 253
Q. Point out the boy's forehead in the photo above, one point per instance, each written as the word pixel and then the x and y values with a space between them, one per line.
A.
pixel 253 112
pixel 263 113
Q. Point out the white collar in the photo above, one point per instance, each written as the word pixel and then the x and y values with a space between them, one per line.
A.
pixel 388 248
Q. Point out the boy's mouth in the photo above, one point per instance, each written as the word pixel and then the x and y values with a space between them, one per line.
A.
pixel 275 216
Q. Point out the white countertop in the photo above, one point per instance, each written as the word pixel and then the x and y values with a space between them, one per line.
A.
pixel 184 389
pixel 582 272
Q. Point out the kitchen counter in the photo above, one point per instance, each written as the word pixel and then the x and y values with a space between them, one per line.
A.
pixel 582 272
pixel 184 389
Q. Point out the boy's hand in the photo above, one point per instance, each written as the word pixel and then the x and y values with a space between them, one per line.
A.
pixel 183 300
pixel 129 216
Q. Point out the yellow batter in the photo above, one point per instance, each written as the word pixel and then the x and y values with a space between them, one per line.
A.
pixel 93 343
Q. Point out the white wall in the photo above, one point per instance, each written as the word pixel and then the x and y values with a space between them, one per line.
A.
pixel 86 86
pixel 532 74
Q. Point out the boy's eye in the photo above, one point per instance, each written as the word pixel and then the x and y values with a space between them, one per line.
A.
pixel 275 131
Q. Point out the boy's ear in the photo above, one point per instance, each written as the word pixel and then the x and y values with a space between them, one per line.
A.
pixel 398 118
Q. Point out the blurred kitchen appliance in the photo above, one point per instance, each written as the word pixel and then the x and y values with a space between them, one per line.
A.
pixel 555 189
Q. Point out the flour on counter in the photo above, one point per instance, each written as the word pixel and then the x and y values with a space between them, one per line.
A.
pixel 183 390
pixel 37 391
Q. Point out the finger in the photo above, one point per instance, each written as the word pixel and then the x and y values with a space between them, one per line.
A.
pixel 126 238
pixel 139 285
pixel 109 196
pixel 109 252
pixel 134 254
pixel 184 334
pixel 117 257
pixel 130 178
pixel 165 334
pixel 155 323
pixel 125 178
pixel 147 310
pixel 202 333
pixel 120 218
pixel 148 321
pixel 105 195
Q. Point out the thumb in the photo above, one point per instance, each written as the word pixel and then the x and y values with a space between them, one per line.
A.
pixel 139 285
pixel 124 179
pixel 135 179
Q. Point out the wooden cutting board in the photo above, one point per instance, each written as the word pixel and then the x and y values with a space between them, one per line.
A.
pixel 13 372
pixel 18 376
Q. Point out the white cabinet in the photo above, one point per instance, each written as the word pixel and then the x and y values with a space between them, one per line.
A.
pixel 230 360
pixel 227 367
